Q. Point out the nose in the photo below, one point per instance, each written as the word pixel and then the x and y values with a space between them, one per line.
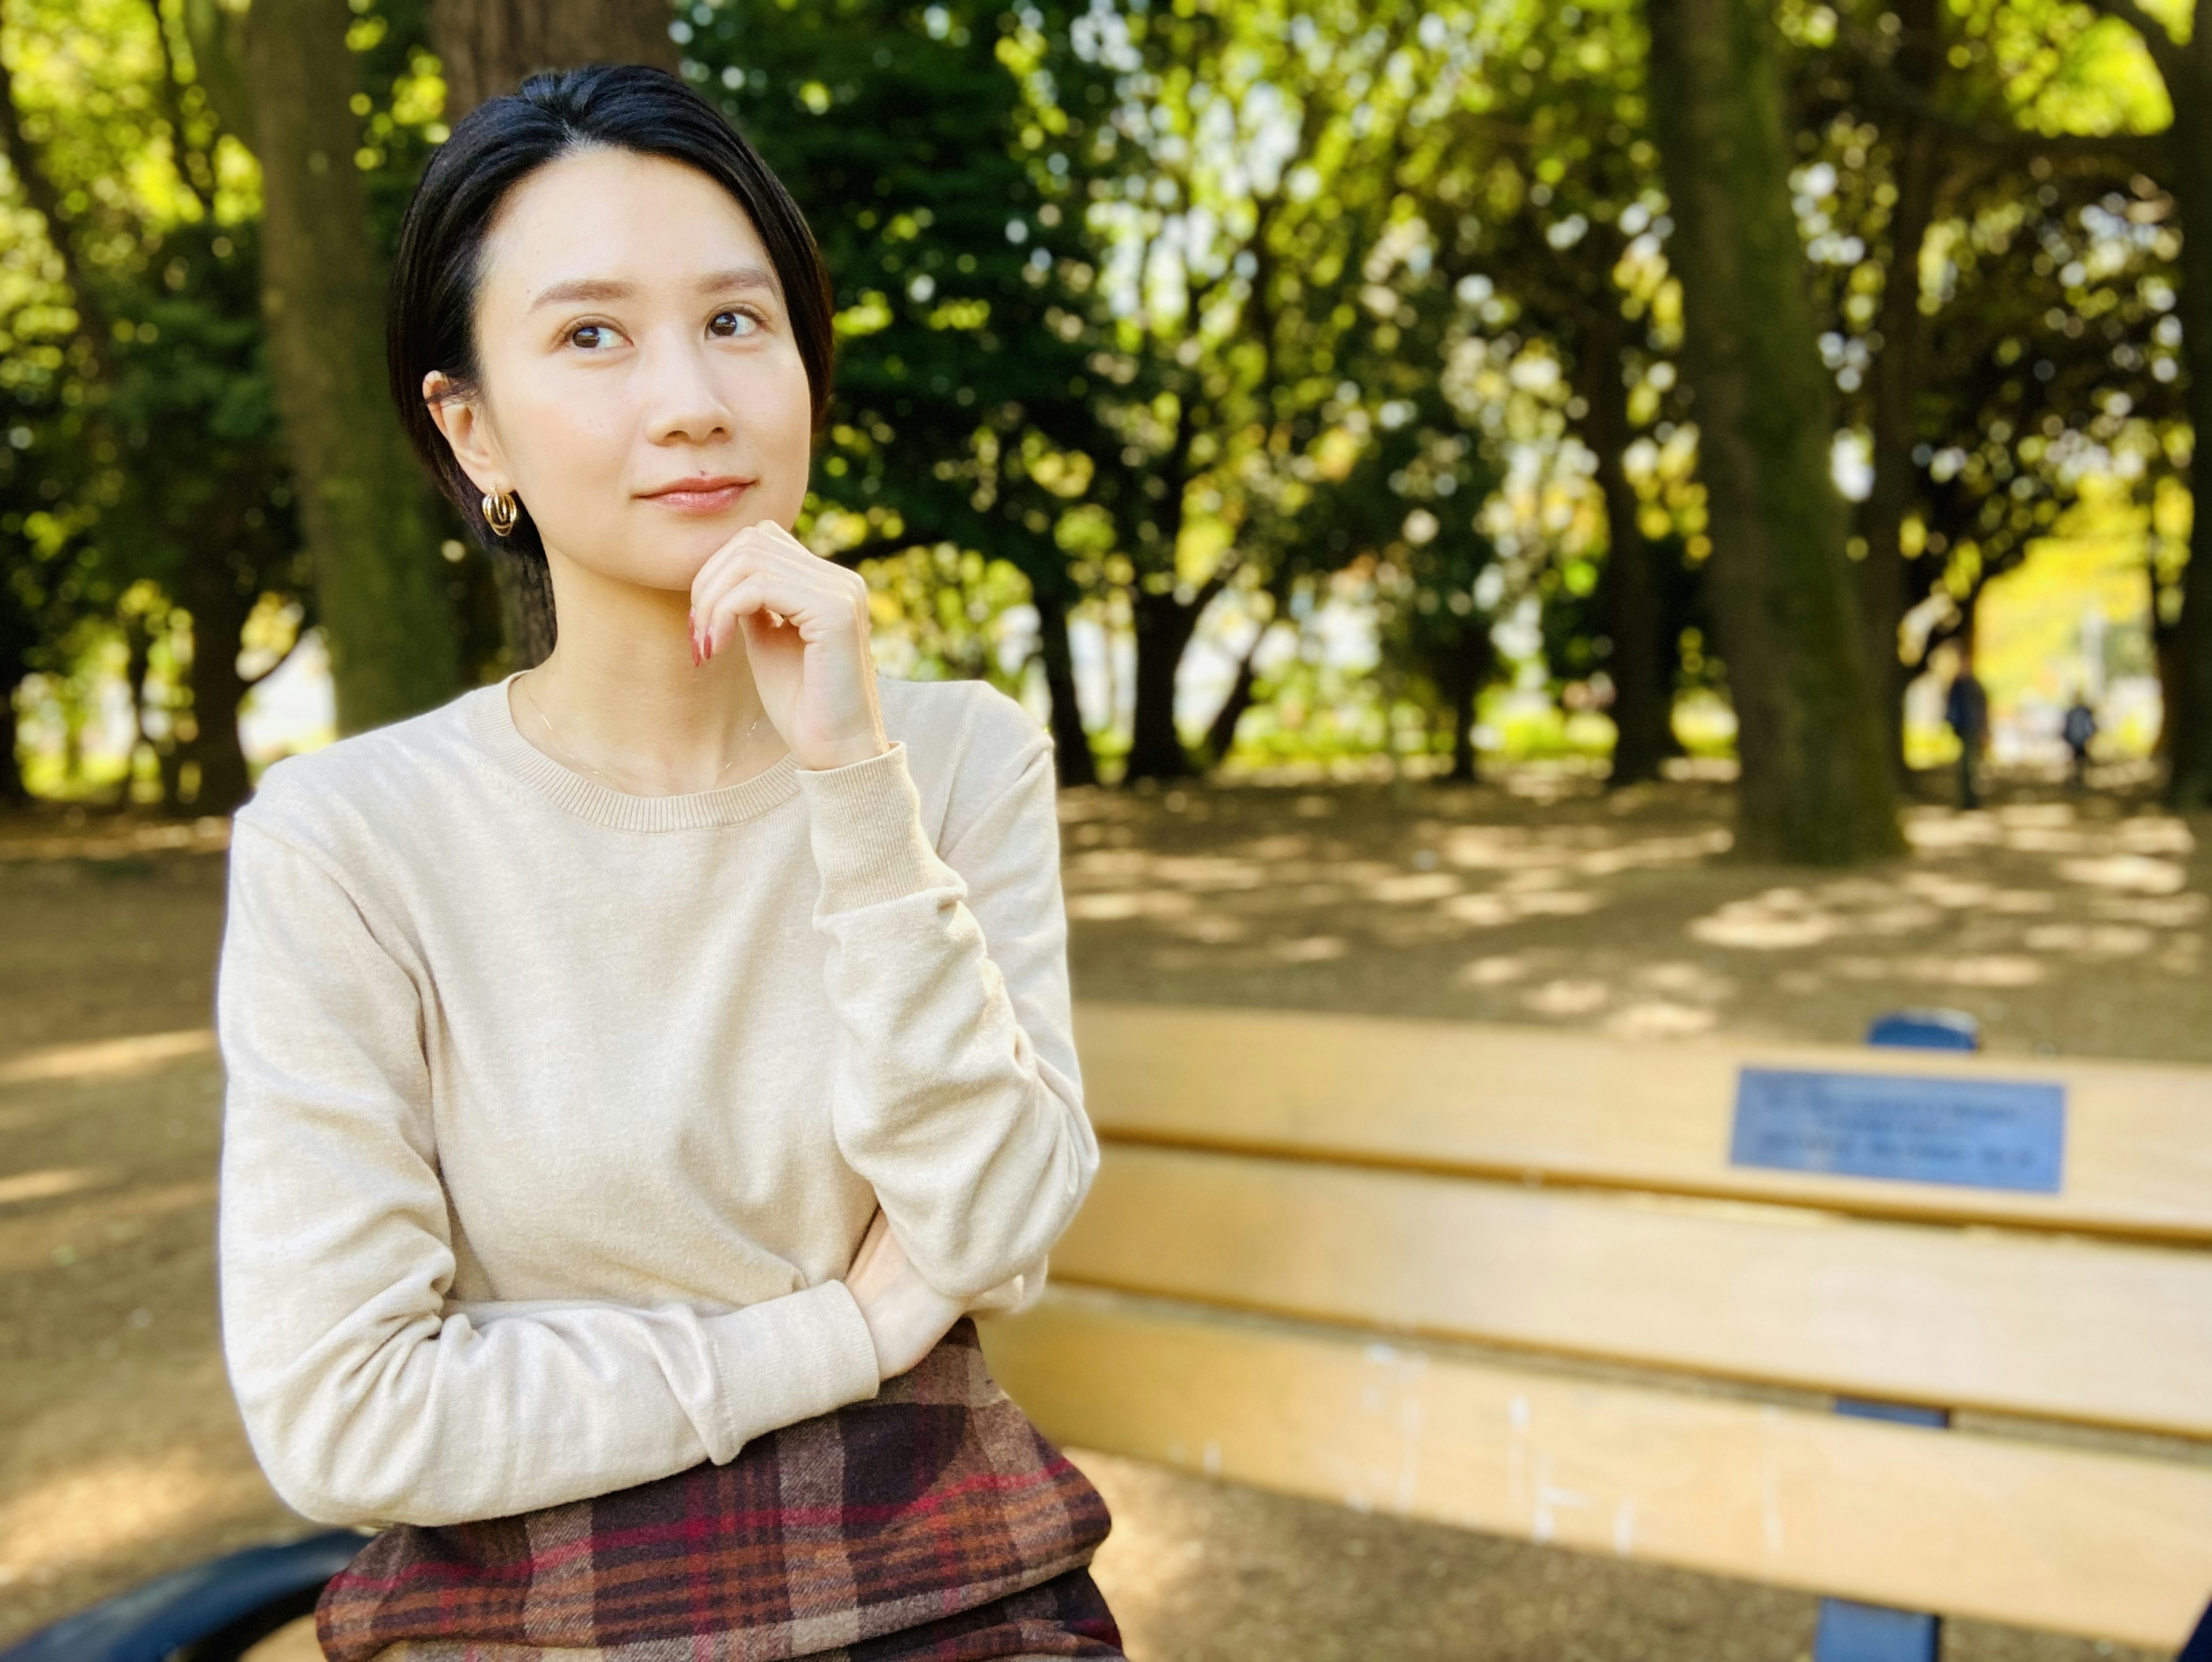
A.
pixel 685 401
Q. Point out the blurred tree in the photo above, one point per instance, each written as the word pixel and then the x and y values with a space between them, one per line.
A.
pixel 1816 785
pixel 1934 132
pixel 370 527
pixel 1554 174
pixel 1412 505
pixel 484 48
pixel 2051 374
pixel 146 453
pixel 1907 62
pixel 967 307
pixel 18 637
pixel 209 510
pixel 2184 63
pixel 1255 174
pixel 488 47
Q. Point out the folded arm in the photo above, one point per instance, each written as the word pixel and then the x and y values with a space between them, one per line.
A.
pixel 957 1095
pixel 366 1397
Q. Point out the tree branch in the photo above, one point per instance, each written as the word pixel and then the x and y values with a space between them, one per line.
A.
pixel 29 168
pixel 181 153
pixel 216 35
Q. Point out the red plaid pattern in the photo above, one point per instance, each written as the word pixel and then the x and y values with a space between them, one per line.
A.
pixel 932 1524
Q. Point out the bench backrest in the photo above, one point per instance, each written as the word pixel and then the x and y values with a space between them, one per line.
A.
pixel 1572 1197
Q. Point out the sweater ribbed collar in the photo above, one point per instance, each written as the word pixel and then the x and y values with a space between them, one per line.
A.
pixel 491 723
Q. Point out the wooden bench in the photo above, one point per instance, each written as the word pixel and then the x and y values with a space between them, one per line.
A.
pixel 1512 1279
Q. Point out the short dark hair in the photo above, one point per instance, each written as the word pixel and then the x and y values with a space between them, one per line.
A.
pixel 430 322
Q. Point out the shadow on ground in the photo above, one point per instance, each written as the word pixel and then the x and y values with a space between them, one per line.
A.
pixel 2071 927
pixel 2078 926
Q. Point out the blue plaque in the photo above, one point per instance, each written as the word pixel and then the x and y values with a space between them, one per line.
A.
pixel 1982 1133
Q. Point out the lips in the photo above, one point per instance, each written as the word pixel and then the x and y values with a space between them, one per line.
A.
pixel 707 493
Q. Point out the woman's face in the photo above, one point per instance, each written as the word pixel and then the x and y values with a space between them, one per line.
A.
pixel 640 389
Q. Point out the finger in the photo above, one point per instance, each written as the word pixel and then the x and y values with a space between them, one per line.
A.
pixel 768 599
pixel 725 567
pixel 746 551
pixel 746 600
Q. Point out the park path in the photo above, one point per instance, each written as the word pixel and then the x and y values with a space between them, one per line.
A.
pixel 2078 929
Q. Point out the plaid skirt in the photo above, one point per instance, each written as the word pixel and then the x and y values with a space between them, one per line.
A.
pixel 932 1522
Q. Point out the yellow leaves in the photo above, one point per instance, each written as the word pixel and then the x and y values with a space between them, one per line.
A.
pixel 872 314
pixel 961 315
pixel 1336 453
pixel 418 98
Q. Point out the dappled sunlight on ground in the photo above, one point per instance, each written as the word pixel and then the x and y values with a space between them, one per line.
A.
pixel 2078 928
pixel 124 1456
pixel 2067 926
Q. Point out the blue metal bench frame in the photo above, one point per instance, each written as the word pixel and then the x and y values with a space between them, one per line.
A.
pixel 1849 1632
pixel 211 1612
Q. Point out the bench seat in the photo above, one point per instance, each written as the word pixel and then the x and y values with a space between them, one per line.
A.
pixel 1380 1262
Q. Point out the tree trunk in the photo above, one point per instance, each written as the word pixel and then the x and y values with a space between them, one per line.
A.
pixel 15 639
pixel 380 580
pixel 1071 742
pixel 1816 787
pixel 1461 678
pixel 1164 626
pixel 488 47
pixel 1221 732
pixel 1898 367
pixel 135 634
pixel 2189 717
pixel 1643 698
pixel 13 793
pixel 219 613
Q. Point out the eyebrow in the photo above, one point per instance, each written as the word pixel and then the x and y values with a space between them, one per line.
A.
pixel 601 289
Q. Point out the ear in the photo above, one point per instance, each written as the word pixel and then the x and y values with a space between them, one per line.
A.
pixel 468 432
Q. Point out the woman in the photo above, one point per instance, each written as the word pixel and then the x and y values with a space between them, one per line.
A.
pixel 640 1067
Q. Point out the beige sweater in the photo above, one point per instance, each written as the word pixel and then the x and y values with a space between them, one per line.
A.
pixel 555 1113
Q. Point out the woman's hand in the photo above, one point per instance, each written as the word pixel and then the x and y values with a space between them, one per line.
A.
pixel 906 1316
pixel 804 621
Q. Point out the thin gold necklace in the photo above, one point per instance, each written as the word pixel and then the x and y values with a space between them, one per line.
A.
pixel 572 759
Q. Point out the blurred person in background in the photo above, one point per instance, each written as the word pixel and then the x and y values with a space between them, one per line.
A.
pixel 2078 728
pixel 641 1066
pixel 1967 711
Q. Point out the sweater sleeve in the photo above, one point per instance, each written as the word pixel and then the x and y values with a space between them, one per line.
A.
pixel 366 1396
pixel 957 1095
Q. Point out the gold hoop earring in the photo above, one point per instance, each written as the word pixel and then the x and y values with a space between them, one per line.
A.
pixel 502 512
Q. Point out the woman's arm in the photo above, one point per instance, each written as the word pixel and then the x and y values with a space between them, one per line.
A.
pixel 364 1400
pixel 957 1090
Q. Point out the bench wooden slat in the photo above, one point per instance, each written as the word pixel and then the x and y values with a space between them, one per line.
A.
pixel 2098 1544
pixel 2097 1331
pixel 1576 1108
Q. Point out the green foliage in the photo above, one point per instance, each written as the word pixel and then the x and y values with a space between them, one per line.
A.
pixel 962 401
pixel 1146 308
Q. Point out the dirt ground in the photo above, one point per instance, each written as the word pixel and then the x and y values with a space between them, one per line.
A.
pixel 2069 927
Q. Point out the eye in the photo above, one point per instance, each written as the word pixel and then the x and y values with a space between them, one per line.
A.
pixel 733 325
pixel 592 337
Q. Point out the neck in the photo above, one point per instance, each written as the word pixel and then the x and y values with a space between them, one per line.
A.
pixel 619 696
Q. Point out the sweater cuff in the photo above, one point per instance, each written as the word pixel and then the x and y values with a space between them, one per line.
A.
pixel 788 1359
pixel 869 843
